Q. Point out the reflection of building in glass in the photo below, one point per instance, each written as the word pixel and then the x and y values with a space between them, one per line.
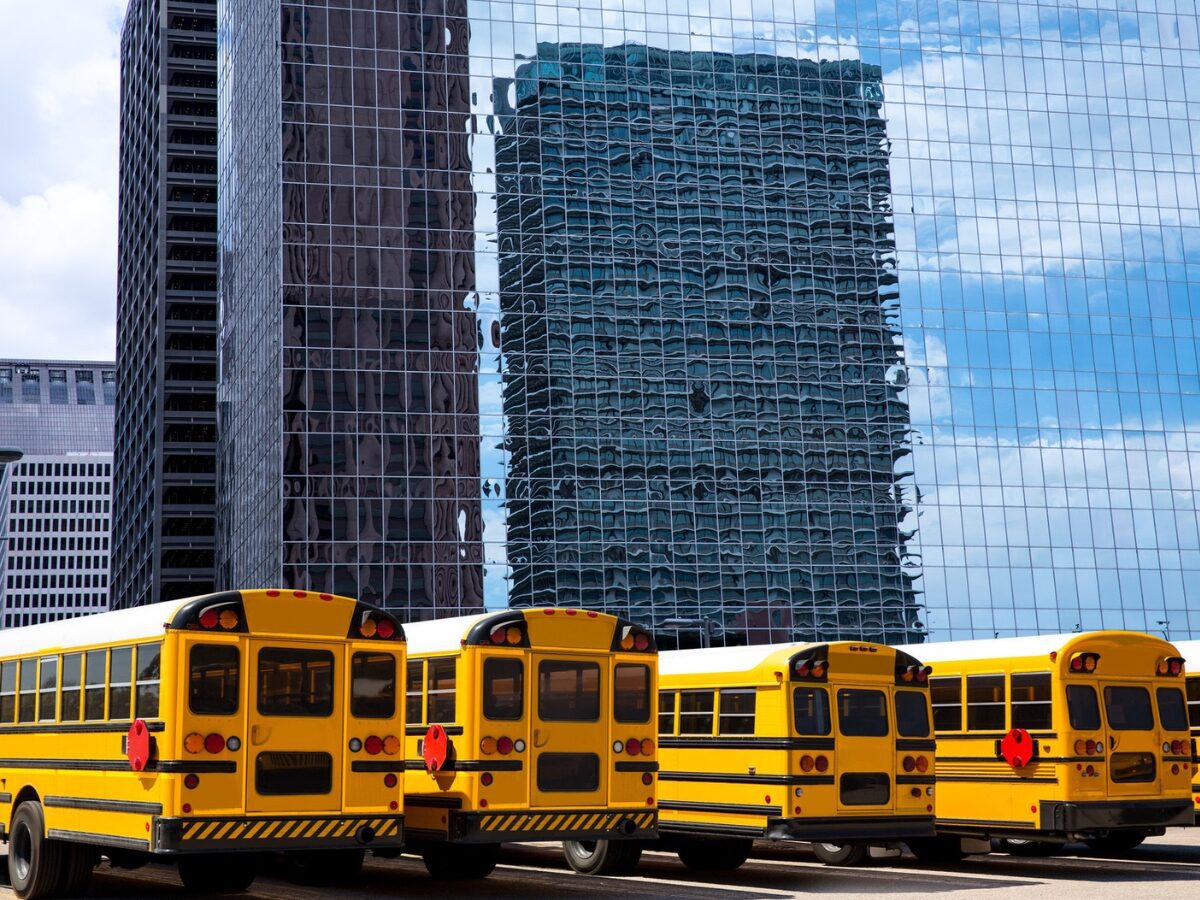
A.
pixel 697 299
pixel 349 394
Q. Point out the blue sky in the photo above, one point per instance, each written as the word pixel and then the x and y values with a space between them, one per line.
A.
pixel 59 90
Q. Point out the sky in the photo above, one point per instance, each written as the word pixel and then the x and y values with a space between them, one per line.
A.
pixel 59 102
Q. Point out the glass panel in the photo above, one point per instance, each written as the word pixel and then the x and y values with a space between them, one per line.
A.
pixel 27 701
pixel 8 691
pixel 48 689
pixel 945 695
pixel 811 708
pixel 283 774
pixel 1083 708
pixel 148 676
pixel 736 712
pixel 578 772
pixel 568 691
pixel 413 695
pixel 295 682
pixel 912 714
pixel 1172 711
pixel 1127 708
pixel 1031 705
pixel 95 684
pixel 862 713
pixel 696 712
pixel 213 679
pixel 443 683
pixel 1193 697
pixel 631 693
pixel 373 685
pixel 503 688
pixel 666 712
pixel 119 682
pixel 72 687
pixel 985 703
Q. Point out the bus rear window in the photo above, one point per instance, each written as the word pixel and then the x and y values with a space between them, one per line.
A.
pixel 295 682
pixel 862 713
pixel 1128 708
pixel 631 693
pixel 1082 707
pixel 568 691
pixel 441 690
pixel 811 705
pixel 1172 711
pixel 212 679
pixel 912 714
pixel 373 685
pixel 1193 697
pixel 503 688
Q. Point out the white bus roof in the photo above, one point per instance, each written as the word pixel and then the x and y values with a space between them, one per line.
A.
pixel 437 635
pixel 710 660
pixel 1002 648
pixel 1190 651
pixel 134 624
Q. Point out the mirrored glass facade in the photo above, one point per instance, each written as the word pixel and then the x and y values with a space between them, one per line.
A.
pixel 835 318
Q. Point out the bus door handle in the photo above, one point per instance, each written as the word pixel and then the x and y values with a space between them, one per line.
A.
pixel 259 735
pixel 538 741
pixel 1112 742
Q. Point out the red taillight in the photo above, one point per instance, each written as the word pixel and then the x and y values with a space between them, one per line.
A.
pixel 1090 747
pixel 806 763
pixel 191 781
pixel 909 764
pixel 214 743
pixel 802 669
pixel 210 618
pixel 1077 664
pixel 187 808
pixel 647 779
pixel 633 746
pixel 922 764
pixel 1176 666
pixel 498 634
pixel 641 641
pixel 486 779
pixel 822 764
pixel 389 780
pixel 373 745
pixel 1177 747
pixel 386 629
pixel 504 746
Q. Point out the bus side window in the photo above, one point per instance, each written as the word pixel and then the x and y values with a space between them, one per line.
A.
pixel 810 707
pixel 1031 706
pixel 696 712
pixel 736 712
pixel 946 696
pixel 48 689
pixel 27 697
pixel 72 687
pixel 120 680
pixel 8 692
pixel 442 687
pixel 95 671
pixel 1083 707
pixel 1193 700
pixel 148 675
pixel 503 688
pixel 631 693
pixel 985 703
pixel 666 712
pixel 413 695
pixel 213 675
pixel 373 685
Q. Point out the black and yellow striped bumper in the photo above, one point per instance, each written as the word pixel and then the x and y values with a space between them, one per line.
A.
pixel 201 835
pixel 552 825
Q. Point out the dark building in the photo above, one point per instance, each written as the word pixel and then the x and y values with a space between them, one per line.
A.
pixel 349 406
pixel 697 315
pixel 165 443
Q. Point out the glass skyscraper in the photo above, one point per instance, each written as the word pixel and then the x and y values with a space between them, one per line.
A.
pixel 782 319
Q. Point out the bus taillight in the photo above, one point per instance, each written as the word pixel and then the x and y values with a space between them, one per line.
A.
pixel 822 764
pixel 636 746
pixel 193 743
pixel 510 635
pixel 1085 662
pixel 191 781
pixel 214 743
pixel 390 780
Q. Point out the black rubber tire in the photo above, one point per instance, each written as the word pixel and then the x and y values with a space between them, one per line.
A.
pixel 1120 842
pixel 324 866
pixel 603 857
pixel 718 855
pixel 460 862
pixel 78 861
pixel 937 851
pixel 841 854
pixel 1021 847
pixel 226 873
pixel 34 861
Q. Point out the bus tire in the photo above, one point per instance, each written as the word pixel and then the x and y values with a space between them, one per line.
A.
pixel 603 857
pixel 324 866
pixel 1022 847
pixel 717 855
pixel 460 862
pixel 34 861
pixel 78 860
pixel 225 873
pixel 1118 842
pixel 937 851
pixel 841 854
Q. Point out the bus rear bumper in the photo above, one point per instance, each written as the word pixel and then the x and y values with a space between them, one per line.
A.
pixel 841 829
pixel 210 835
pixel 552 825
pixel 1081 818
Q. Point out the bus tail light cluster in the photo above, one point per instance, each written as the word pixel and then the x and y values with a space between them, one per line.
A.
pixel 1088 748
pixel 374 745
pixel 1176 748
pixel 221 617
pixel 809 668
pixel 917 674
pixel 915 763
pixel 634 746
pixel 808 763
pixel 503 746
pixel 631 638
pixel 1085 662
pixel 1171 666
pixel 373 624
pixel 213 743
pixel 511 635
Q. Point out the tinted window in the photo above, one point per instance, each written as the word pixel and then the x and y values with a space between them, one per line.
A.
pixel 1031 707
pixel 48 689
pixel 696 712
pixel 631 693
pixel 862 713
pixel 811 706
pixel 1128 709
pixel 8 691
pixel 736 712
pixel 443 681
pixel 94 684
pixel 1083 707
pixel 1193 696
pixel 119 683
pixel 666 712
pixel 27 696
pixel 373 685
pixel 945 695
pixel 503 688
pixel 578 772
pixel 1172 712
pixel 212 679
pixel 413 695
pixel 278 774
pixel 295 682
pixel 912 714
pixel 148 675
pixel 985 703
pixel 568 691
pixel 72 687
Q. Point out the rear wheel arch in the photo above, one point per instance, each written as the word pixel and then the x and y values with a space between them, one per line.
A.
pixel 24 795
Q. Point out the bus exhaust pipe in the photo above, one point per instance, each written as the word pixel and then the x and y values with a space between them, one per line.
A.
pixel 627 827
pixel 365 835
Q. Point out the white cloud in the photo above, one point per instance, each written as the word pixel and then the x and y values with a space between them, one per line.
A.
pixel 59 96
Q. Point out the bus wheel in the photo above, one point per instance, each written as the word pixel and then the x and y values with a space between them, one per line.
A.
pixel 841 854
pixel 1021 847
pixel 714 855
pixel 603 857
pixel 77 863
pixel 227 873
pixel 34 861
pixel 461 862
pixel 937 851
pixel 324 866
pixel 1120 842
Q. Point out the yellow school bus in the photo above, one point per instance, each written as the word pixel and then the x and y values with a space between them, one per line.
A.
pixel 205 730
pixel 1190 651
pixel 527 725
pixel 827 743
pixel 1058 738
